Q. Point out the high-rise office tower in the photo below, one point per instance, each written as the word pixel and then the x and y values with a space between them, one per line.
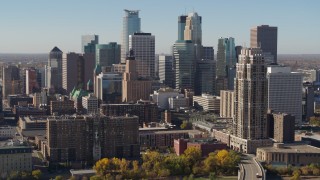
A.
pixel 226 61
pixel 134 88
pixel 193 29
pixel 308 101
pixel 249 123
pixel 54 70
pixel 193 32
pixel 265 37
pixel 226 56
pixel 77 70
pixel 131 24
pixel 205 77
pixel 165 70
pixel 108 54
pixel 143 45
pixel 184 64
pixel 32 84
pixel 181 26
pixel 238 52
pixel 285 91
pixel 208 53
pixel 10 80
pixel 88 43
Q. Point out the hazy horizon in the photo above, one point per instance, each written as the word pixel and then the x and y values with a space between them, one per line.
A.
pixel 37 26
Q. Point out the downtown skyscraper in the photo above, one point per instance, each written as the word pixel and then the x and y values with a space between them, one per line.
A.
pixel 131 24
pixel 54 70
pixel 250 119
pixel 88 43
pixel 265 37
pixel 143 45
pixel 193 32
pixel 226 61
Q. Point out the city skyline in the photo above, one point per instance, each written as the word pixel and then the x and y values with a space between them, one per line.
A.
pixel 45 25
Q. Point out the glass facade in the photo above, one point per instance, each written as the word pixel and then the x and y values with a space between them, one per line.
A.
pixel 131 24
pixel 184 64
pixel 107 54
pixel 109 87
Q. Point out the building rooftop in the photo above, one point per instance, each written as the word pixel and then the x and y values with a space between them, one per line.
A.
pixel 171 132
pixel 292 148
pixel 56 49
pixel 82 171
pixel 31 119
pixel 33 133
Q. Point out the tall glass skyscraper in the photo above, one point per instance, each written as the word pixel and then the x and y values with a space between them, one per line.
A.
pixel 88 43
pixel 184 64
pixel 107 54
pixel 131 24
pixel 226 55
pixel 181 26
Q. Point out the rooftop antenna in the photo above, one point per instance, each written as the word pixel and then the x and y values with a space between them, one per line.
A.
pixel 185 11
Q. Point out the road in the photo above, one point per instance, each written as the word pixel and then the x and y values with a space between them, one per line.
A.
pixel 250 167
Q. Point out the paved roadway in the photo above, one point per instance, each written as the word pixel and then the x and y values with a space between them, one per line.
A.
pixel 250 167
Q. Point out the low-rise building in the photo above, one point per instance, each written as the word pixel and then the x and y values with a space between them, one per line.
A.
pixel 7 132
pixel 207 102
pixel 162 138
pixel 32 122
pixel 62 106
pixel 205 145
pixel 28 111
pixel 145 110
pixel 15 158
pixel 286 154
pixel 90 104
pixel 178 102
pixel 161 97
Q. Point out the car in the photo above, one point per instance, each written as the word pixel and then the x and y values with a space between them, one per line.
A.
pixel 258 175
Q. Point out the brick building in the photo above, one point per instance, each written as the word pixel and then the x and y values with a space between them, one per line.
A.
pixel 205 145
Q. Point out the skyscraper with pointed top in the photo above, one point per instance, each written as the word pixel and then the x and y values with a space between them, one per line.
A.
pixel 54 70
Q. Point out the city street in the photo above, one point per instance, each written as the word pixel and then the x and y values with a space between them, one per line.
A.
pixel 250 167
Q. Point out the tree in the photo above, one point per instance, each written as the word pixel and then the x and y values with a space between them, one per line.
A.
pixel 15 175
pixel 305 170
pixel 96 177
pixel 212 176
pixel 59 178
pixel 102 166
pixel 36 174
pixel 177 165
pixel 210 163
pixel 315 121
pixel 316 171
pixel 186 125
pixel 296 174
pixel 193 155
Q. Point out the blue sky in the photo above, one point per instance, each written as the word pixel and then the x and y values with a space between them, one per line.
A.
pixel 36 26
